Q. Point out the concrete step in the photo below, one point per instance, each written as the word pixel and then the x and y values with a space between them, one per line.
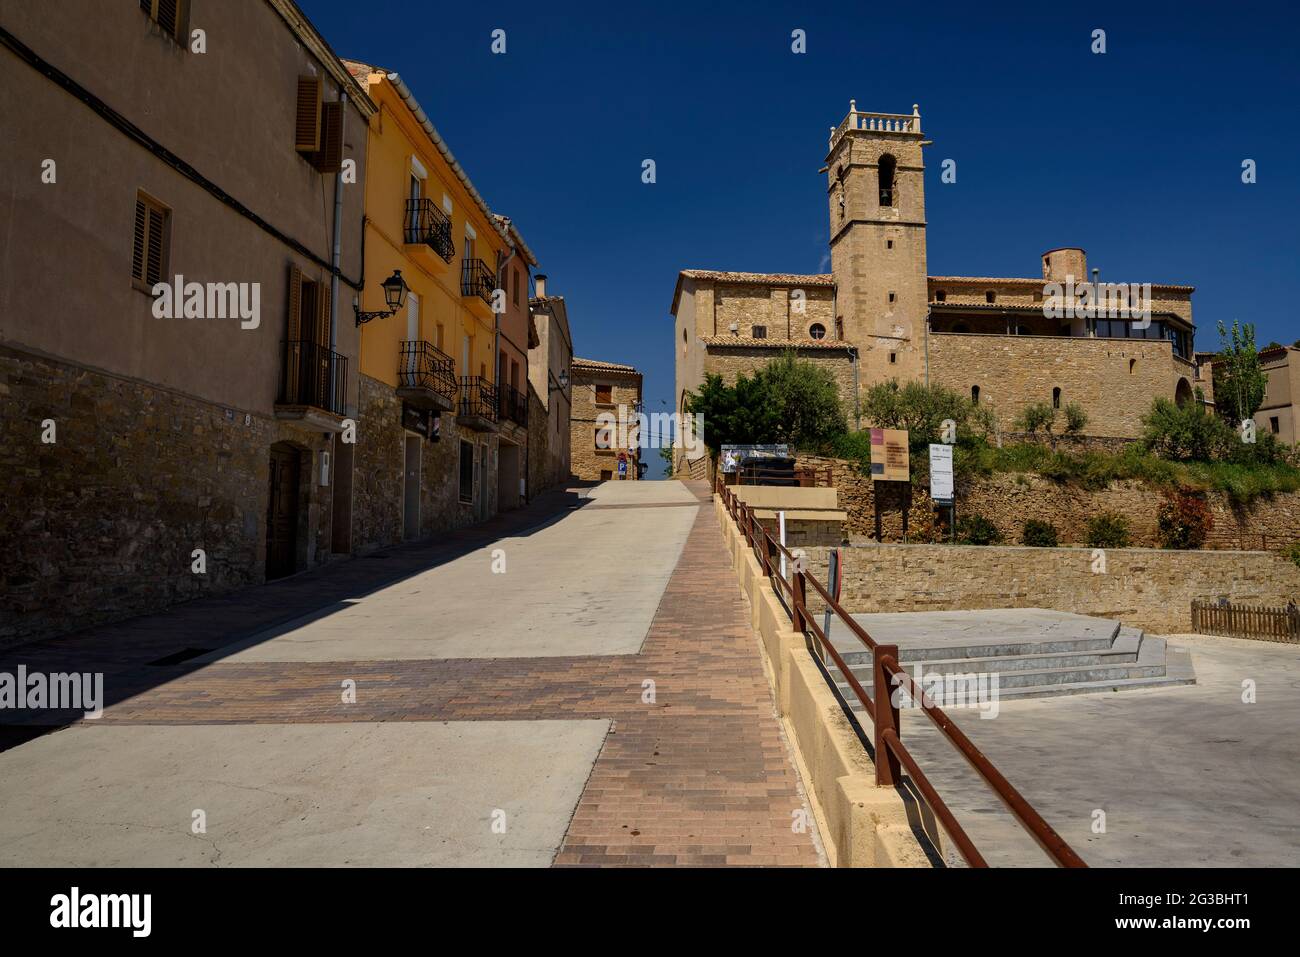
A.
pixel 1056 690
pixel 1008 663
pixel 998 649
pixel 1052 676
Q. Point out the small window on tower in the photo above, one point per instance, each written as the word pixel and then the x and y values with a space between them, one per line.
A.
pixel 892 297
pixel 893 358
pixel 760 332
pixel 889 244
pixel 975 394
pixel 885 174
pixel 1056 398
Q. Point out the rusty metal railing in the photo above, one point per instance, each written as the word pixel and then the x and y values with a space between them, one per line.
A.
pixel 881 706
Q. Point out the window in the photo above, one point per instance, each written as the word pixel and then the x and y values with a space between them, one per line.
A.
pixel 817 331
pixel 605 395
pixel 889 244
pixel 893 358
pixel 960 327
pixel 1274 425
pixel 760 332
pixel 151 241
pixel 683 342
pixel 466 472
pixel 309 309
pixel 318 128
pixel 606 475
pixel 975 394
pixel 514 282
pixel 990 296
pixel 1056 398
pixel 172 16
pixel 892 297
pixel 940 296
pixel 885 174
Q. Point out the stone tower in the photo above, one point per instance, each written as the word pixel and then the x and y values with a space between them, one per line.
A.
pixel 876 188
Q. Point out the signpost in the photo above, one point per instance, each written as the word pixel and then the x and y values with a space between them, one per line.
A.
pixel 890 461
pixel 941 485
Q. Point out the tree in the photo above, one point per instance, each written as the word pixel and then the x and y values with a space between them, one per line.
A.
pixel 1186 433
pixel 922 409
pixel 1040 415
pixel 790 400
pixel 1239 380
pixel 1076 420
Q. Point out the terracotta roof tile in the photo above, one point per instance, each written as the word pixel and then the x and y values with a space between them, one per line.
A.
pixel 605 366
pixel 760 278
pixel 749 343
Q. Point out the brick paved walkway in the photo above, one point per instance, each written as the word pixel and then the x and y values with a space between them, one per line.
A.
pixel 700 775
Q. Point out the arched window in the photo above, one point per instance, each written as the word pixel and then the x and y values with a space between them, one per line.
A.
pixel 1056 397
pixel 975 394
pixel 817 331
pixel 885 172
pixel 684 342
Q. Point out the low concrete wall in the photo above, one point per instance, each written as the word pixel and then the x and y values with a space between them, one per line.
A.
pixel 862 825
pixel 1148 588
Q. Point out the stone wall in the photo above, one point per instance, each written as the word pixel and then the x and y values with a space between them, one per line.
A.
pixel 100 524
pixel 1114 380
pixel 1147 588
pixel 586 461
pixel 1009 500
pixel 378 484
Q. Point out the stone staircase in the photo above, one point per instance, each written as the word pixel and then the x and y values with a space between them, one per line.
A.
pixel 1064 658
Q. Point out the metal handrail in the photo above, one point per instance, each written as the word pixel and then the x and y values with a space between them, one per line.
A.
pixel 891 754
pixel 427 223
pixel 422 365
pixel 477 280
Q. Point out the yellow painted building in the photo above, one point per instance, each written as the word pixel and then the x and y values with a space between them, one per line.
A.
pixel 424 217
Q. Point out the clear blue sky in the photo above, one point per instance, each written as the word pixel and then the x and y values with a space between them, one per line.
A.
pixel 1135 154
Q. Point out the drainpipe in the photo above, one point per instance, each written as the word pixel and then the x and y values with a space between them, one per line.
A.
pixel 857 402
pixel 337 252
pixel 927 347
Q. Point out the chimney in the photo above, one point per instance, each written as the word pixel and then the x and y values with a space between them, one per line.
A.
pixel 540 282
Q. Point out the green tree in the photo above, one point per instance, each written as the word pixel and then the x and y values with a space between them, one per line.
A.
pixel 1040 415
pixel 1186 433
pixel 790 400
pixel 1076 420
pixel 1239 380
pixel 922 409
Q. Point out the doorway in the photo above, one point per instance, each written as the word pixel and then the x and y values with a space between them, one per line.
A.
pixel 282 514
pixel 411 490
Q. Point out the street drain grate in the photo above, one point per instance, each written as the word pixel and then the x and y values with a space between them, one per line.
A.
pixel 185 654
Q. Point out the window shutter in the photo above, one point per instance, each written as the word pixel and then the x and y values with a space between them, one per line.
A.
pixel 329 159
pixel 168 15
pixel 323 314
pixel 155 259
pixel 307 129
pixel 141 240
pixel 295 303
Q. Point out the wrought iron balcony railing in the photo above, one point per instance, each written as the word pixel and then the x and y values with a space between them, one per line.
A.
pixel 478 398
pixel 422 365
pixel 514 405
pixel 426 223
pixel 313 375
pixel 477 280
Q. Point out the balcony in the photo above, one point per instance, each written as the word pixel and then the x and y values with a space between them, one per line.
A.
pixel 513 405
pixel 313 384
pixel 427 225
pixel 426 376
pixel 477 282
pixel 477 408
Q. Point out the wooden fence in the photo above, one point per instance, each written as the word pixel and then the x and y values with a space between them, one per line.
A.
pixel 1246 621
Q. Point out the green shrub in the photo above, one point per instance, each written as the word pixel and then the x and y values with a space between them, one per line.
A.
pixel 1038 416
pixel 1185 521
pixel 978 530
pixel 1292 552
pixel 1187 433
pixel 1076 420
pixel 1040 534
pixel 1108 530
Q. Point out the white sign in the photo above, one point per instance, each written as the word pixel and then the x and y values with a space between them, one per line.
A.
pixel 941 473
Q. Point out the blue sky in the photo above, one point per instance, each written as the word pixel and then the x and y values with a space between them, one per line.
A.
pixel 1135 154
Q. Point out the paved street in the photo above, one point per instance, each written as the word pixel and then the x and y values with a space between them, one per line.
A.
pixel 584 707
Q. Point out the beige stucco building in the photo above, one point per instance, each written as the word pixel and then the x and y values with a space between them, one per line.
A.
pixel 1278 414
pixel 606 400
pixel 549 362
pixel 879 315
pixel 167 451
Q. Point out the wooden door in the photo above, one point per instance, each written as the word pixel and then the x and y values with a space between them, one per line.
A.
pixel 282 515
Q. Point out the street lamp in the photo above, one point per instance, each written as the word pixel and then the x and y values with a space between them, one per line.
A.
pixel 395 290
pixel 564 381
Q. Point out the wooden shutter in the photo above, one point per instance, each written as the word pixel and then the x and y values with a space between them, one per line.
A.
pixel 295 304
pixel 168 16
pixel 141 239
pixel 323 314
pixel 307 129
pixel 329 159
pixel 156 257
